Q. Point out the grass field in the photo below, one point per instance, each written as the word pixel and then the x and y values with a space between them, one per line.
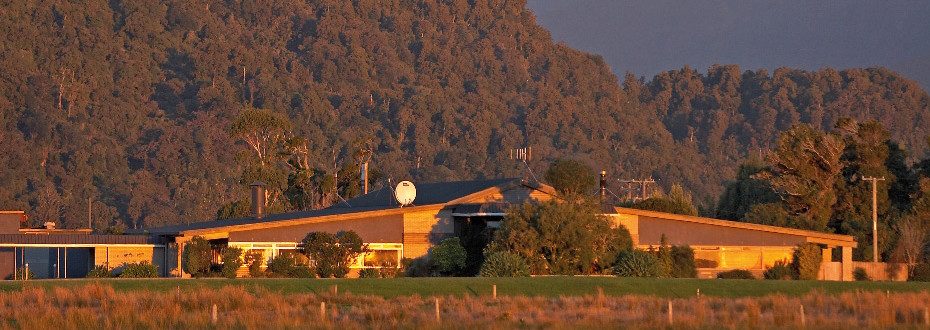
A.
pixel 459 303
pixel 475 286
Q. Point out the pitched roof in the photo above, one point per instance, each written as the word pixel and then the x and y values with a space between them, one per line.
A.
pixel 814 236
pixel 383 199
pixel 427 193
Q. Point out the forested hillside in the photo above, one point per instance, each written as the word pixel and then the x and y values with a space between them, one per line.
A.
pixel 129 105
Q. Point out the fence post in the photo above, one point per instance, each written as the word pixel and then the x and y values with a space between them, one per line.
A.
pixel 437 309
pixel 495 291
pixel 926 316
pixel 323 311
pixel 803 320
pixel 670 313
pixel 699 292
pixel 213 319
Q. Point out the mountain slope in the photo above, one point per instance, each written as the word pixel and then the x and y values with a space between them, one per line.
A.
pixel 127 105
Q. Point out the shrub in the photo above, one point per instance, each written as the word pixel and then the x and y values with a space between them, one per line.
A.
pixel 705 263
pixel 255 259
pixel 637 263
pixel 779 271
pixel 504 264
pixel 142 269
pixel 736 274
pixel 302 271
pixel 388 270
pixel 921 273
pixel 197 256
pixel 807 258
pixel 683 265
pixel 24 273
pixel 231 261
pixel 860 275
pixel 586 242
pixel 449 256
pixel 283 264
pixel 333 255
pixel 419 267
pixel 664 253
pixel 369 273
pixel 99 272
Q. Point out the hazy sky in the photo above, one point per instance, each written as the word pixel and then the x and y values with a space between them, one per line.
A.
pixel 649 36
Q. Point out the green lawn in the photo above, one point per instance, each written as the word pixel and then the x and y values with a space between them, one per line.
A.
pixel 539 286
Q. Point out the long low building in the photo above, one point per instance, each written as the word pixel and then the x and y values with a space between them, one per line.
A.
pixel 447 209
pixel 394 231
pixel 69 253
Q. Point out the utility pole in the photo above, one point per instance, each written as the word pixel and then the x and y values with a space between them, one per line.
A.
pixel 874 215
pixel 642 184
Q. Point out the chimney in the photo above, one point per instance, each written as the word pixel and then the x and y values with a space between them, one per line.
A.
pixel 364 178
pixel 603 185
pixel 258 199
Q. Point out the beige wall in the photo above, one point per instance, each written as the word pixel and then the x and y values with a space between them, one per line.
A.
pixel 690 233
pixel 424 229
pixel 517 195
pixel 115 257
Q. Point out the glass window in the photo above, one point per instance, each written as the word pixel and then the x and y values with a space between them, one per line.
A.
pixel 381 258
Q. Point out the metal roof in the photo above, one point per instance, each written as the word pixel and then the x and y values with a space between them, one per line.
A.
pixel 382 199
pixel 20 239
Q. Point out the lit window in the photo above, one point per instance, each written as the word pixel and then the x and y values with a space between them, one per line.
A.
pixel 381 258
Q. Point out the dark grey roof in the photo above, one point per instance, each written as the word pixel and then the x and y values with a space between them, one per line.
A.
pixel 427 194
pixel 77 239
pixel 481 208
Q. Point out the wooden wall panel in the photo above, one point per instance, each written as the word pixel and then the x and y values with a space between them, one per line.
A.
pixel 384 229
pixel 689 233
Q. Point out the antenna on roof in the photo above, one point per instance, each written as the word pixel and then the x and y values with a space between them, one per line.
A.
pixel 524 155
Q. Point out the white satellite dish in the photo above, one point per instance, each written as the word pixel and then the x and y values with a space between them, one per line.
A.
pixel 405 193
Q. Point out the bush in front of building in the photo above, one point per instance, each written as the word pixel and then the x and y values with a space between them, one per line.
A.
pixel 561 238
pixel 683 262
pixel 418 267
pixel 921 273
pixel 638 263
pixel 369 273
pixel 232 260
pixel 859 274
pixel 448 257
pixel 255 259
pixel 504 264
pixel 705 263
pixel 99 272
pixel 779 271
pixel 288 264
pixel 736 274
pixel 333 255
pixel 806 261
pixel 197 256
pixel 23 273
pixel 143 269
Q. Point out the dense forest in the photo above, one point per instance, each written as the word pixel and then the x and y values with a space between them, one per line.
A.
pixel 126 109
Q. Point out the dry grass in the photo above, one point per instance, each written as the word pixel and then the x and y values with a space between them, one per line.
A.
pixel 99 306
